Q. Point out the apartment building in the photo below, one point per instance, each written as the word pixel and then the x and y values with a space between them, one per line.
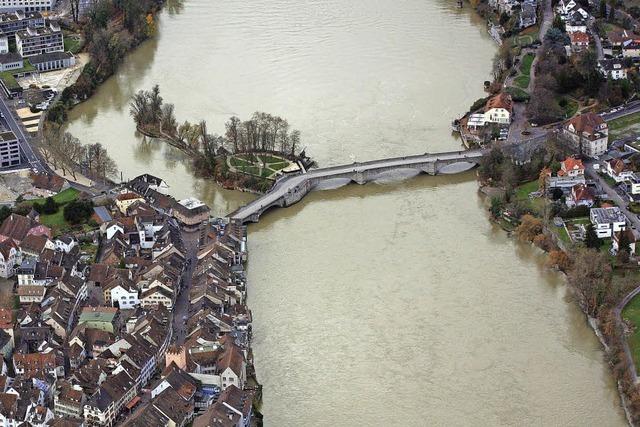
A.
pixel 36 41
pixel 9 149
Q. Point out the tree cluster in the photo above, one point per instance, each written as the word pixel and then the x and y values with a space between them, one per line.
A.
pixel 64 151
pixel 78 211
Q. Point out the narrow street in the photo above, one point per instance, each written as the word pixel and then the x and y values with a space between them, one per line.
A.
pixel 181 307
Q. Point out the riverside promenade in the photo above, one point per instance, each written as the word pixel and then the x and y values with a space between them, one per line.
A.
pixel 290 189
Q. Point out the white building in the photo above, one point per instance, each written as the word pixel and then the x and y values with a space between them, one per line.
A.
pixel 498 109
pixel 8 257
pixel 607 221
pixel 26 5
pixel 125 296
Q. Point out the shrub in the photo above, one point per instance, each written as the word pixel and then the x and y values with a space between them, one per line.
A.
pixel 78 211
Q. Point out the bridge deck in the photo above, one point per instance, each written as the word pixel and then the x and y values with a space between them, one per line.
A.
pixel 291 183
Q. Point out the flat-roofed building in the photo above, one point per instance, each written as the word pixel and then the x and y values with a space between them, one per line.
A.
pixel 36 41
pixel 26 5
pixel 607 221
pixel 9 149
pixel 12 22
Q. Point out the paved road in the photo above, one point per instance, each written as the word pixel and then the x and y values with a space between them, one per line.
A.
pixel 630 108
pixel 547 20
pixel 181 306
pixel 292 183
pixel 596 38
pixel 611 193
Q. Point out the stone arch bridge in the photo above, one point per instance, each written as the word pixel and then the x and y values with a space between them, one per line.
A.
pixel 291 189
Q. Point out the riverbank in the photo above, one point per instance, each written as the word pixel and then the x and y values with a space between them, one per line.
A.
pixel 604 318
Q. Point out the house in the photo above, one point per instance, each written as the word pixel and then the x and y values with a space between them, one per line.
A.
pixel 102 318
pixel 191 212
pixel 8 258
pixel 498 109
pixel 33 245
pixel 579 41
pixel 232 367
pixel 37 365
pixel 613 69
pixel 17 227
pixel 101 215
pixel 9 409
pixel 619 170
pixel 588 132
pixel 631 239
pixel 233 409
pixel 155 296
pixel 107 403
pixel 141 184
pixel 528 14
pixel 65 243
pixel 575 22
pixel 580 195
pixel 607 221
pixel 571 167
pixel 124 200
pixel 49 184
pixel 121 292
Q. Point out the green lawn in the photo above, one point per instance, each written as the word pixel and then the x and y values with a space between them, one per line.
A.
pixel 562 233
pixel 632 314
pixel 617 127
pixel 570 108
pixel 522 81
pixel 525 65
pixel 262 165
pixel 522 192
pixel 72 44
pixel 62 197
pixel 518 95
pixel 56 221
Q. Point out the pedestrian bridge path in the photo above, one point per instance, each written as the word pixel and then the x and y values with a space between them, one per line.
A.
pixel 291 189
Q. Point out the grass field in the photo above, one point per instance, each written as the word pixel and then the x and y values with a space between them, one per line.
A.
pixel 56 221
pixel 525 65
pixel 522 81
pixel 570 108
pixel 632 314
pixel 72 44
pixel 262 165
pixel 624 126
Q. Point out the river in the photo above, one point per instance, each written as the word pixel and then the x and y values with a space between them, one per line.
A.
pixel 386 304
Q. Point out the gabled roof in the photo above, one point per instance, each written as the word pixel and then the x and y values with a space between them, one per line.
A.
pixel 501 100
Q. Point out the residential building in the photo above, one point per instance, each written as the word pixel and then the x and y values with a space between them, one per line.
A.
pixel 580 195
pixel 9 149
pixel 571 167
pixel 631 241
pixel 619 170
pixel 102 318
pixel 27 5
pixel 191 212
pixel 588 132
pixel 579 41
pixel 528 14
pixel 8 258
pixel 124 200
pixel 498 109
pixel 607 221
pixel 12 22
pixel 233 409
pixel 69 400
pixel 36 41
pixel 612 68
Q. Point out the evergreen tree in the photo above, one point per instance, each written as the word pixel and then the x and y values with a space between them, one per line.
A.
pixel 591 239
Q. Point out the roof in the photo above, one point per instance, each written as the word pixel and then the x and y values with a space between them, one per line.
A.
pixel 607 215
pixel 10 58
pixel 128 196
pixel 34 243
pixel 572 164
pixel 501 100
pixel 581 192
pixel 51 56
pixel 102 213
pixel 588 123
pixel 48 182
pixel 579 37
pixel 16 227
